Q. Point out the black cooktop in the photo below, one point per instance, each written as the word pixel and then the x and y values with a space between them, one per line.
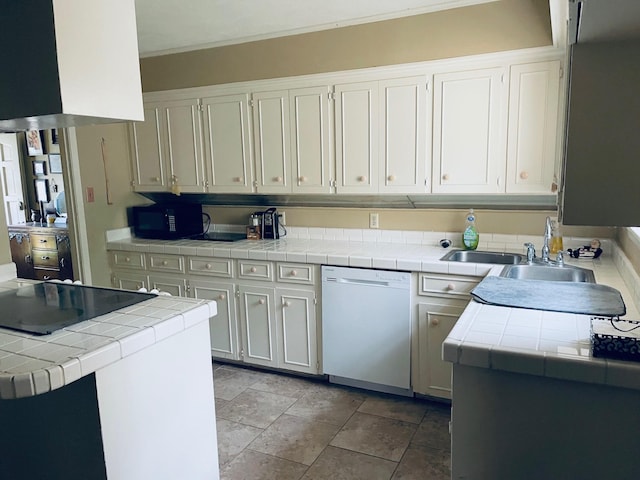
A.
pixel 222 236
pixel 45 307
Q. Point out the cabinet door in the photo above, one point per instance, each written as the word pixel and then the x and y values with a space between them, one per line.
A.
pixel 356 116
pixel 403 133
pixel 130 280
pixel 297 336
pixel 183 143
pixel 468 143
pixel 176 286
pixel 148 156
pixel 223 327
pixel 64 257
pixel 227 143
pixel 257 314
pixel 271 140
pixel 532 130
pixel 436 318
pixel 310 141
pixel 20 246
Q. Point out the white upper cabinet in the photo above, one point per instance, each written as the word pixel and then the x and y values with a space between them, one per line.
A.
pixel 167 148
pixel 227 142
pixel 310 139
pixel 271 141
pixel 404 129
pixel 356 121
pixel 532 130
pixel 468 138
pixel 147 155
pixel 183 145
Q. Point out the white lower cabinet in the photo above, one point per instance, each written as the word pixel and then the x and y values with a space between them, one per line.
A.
pixel 297 330
pixel 223 328
pixel 129 280
pixel 441 301
pixel 257 314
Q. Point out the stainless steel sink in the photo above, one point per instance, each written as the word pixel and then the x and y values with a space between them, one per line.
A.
pixel 475 256
pixel 554 273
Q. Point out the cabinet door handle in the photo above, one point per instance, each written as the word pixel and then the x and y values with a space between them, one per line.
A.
pixel 445 176
pixel 62 262
pixel 362 178
pixel 261 301
pixel 392 178
pixel 303 179
pixel 435 322
pixel 287 303
pixel 27 258
pixel 278 179
pixel 221 296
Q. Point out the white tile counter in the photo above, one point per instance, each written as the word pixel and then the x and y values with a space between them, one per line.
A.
pixel 35 364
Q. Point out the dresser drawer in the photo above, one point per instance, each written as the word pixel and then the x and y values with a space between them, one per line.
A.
pixel 166 263
pixel 449 284
pixel 255 269
pixel 43 241
pixel 215 267
pixel 128 260
pixel 296 273
pixel 44 258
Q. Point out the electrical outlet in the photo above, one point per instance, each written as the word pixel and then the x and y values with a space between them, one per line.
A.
pixel 283 218
pixel 90 195
pixel 374 220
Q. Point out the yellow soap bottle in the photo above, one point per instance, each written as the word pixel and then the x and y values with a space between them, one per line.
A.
pixel 556 238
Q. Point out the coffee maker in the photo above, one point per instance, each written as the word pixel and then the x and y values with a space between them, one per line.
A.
pixel 265 225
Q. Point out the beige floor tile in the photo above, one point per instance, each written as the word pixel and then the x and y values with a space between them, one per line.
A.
pixel 374 435
pixel 258 409
pixel 282 384
pixel 233 438
pixel 229 382
pixel 338 464
pixel 398 408
pixel 433 431
pixel 330 405
pixel 295 438
pixel 420 463
pixel 250 465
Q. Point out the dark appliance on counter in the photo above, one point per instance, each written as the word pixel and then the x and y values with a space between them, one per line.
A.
pixel 167 222
pixel 42 308
pixel 270 224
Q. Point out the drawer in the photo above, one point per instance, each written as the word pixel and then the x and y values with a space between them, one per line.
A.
pixel 45 258
pixel 42 274
pixel 255 270
pixel 128 259
pixel 449 284
pixel 296 273
pixel 43 241
pixel 166 263
pixel 215 267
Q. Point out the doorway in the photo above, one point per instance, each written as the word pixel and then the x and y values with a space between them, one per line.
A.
pixel 33 189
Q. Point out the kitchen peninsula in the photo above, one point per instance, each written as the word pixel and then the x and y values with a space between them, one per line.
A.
pixel 128 394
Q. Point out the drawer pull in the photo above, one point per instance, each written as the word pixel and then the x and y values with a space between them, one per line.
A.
pixel 46 277
pixel 261 301
pixel 127 260
pixel 435 322
pixel 165 263
pixel 294 273
pixel 451 286
pixel 253 270
pixel 208 266
pixel 221 296
pixel 287 303
pixel 44 257
pixel 43 241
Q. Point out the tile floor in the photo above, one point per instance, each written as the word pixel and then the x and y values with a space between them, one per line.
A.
pixel 280 427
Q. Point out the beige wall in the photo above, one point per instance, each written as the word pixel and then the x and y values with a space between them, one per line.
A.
pixel 435 220
pixel 630 246
pixel 490 27
pixel 99 215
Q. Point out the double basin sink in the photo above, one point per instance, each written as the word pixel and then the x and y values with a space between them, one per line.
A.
pixel 518 267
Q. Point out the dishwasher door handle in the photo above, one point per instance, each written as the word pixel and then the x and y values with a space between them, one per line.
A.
pixel 351 281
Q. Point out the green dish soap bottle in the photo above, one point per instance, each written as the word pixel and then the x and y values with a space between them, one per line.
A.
pixel 470 235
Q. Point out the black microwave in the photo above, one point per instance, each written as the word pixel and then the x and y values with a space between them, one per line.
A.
pixel 167 222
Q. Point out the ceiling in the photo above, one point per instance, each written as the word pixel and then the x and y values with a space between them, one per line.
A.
pixel 170 26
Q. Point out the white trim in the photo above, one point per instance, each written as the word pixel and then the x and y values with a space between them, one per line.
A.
pixel 75 205
pixel 559 13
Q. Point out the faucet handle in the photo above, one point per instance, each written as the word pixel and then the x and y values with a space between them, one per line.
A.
pixel 560 258
pixel 531 251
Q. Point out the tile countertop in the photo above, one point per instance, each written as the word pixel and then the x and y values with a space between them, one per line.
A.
pixel 516 340
pixel 34 364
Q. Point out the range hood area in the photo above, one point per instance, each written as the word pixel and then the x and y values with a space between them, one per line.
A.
pixel 68 63
pixel 602 149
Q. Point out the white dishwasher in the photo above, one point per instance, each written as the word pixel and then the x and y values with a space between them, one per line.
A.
pixel 366 328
